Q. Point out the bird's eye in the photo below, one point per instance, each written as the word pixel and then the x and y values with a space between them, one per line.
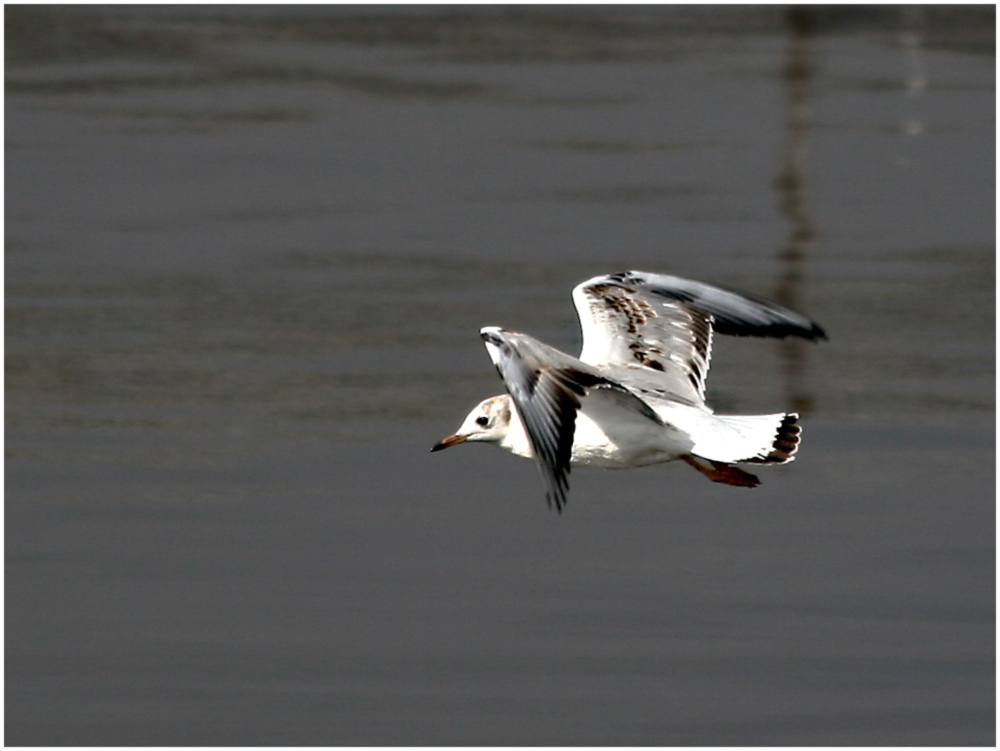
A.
pixel 483 420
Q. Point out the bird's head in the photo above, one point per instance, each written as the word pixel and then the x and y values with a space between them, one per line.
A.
pixel 489 422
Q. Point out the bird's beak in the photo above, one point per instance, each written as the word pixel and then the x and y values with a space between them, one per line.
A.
pixel 449 441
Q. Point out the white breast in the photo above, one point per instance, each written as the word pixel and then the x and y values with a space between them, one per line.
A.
pixel 608 443
pixel 633 444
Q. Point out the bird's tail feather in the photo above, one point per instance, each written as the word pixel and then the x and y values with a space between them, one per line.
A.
pixel 762 439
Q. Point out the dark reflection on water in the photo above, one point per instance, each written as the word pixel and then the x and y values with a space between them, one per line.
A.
pixel 247 255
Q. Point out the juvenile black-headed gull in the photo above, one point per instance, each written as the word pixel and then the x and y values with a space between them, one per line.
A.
pixel 636 394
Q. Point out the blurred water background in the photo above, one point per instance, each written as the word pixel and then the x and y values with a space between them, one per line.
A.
pixel 248 252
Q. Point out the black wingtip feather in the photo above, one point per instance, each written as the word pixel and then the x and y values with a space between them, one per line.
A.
pixel 730 327
pixel 789 322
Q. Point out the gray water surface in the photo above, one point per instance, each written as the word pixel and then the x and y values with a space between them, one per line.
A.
pixel 248 252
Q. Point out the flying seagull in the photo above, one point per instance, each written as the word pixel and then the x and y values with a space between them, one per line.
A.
pixel 636 394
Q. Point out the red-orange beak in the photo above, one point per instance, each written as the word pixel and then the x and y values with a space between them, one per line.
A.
pixel 449 441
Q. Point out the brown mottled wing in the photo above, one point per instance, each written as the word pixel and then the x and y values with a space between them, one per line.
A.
pixel 663 345
pixel 654 332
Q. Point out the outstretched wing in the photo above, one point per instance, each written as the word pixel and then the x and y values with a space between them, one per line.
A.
pixel 654 331
pixel 546 386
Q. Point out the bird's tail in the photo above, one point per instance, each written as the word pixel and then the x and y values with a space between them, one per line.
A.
pixel 768 439
pixel 762 439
